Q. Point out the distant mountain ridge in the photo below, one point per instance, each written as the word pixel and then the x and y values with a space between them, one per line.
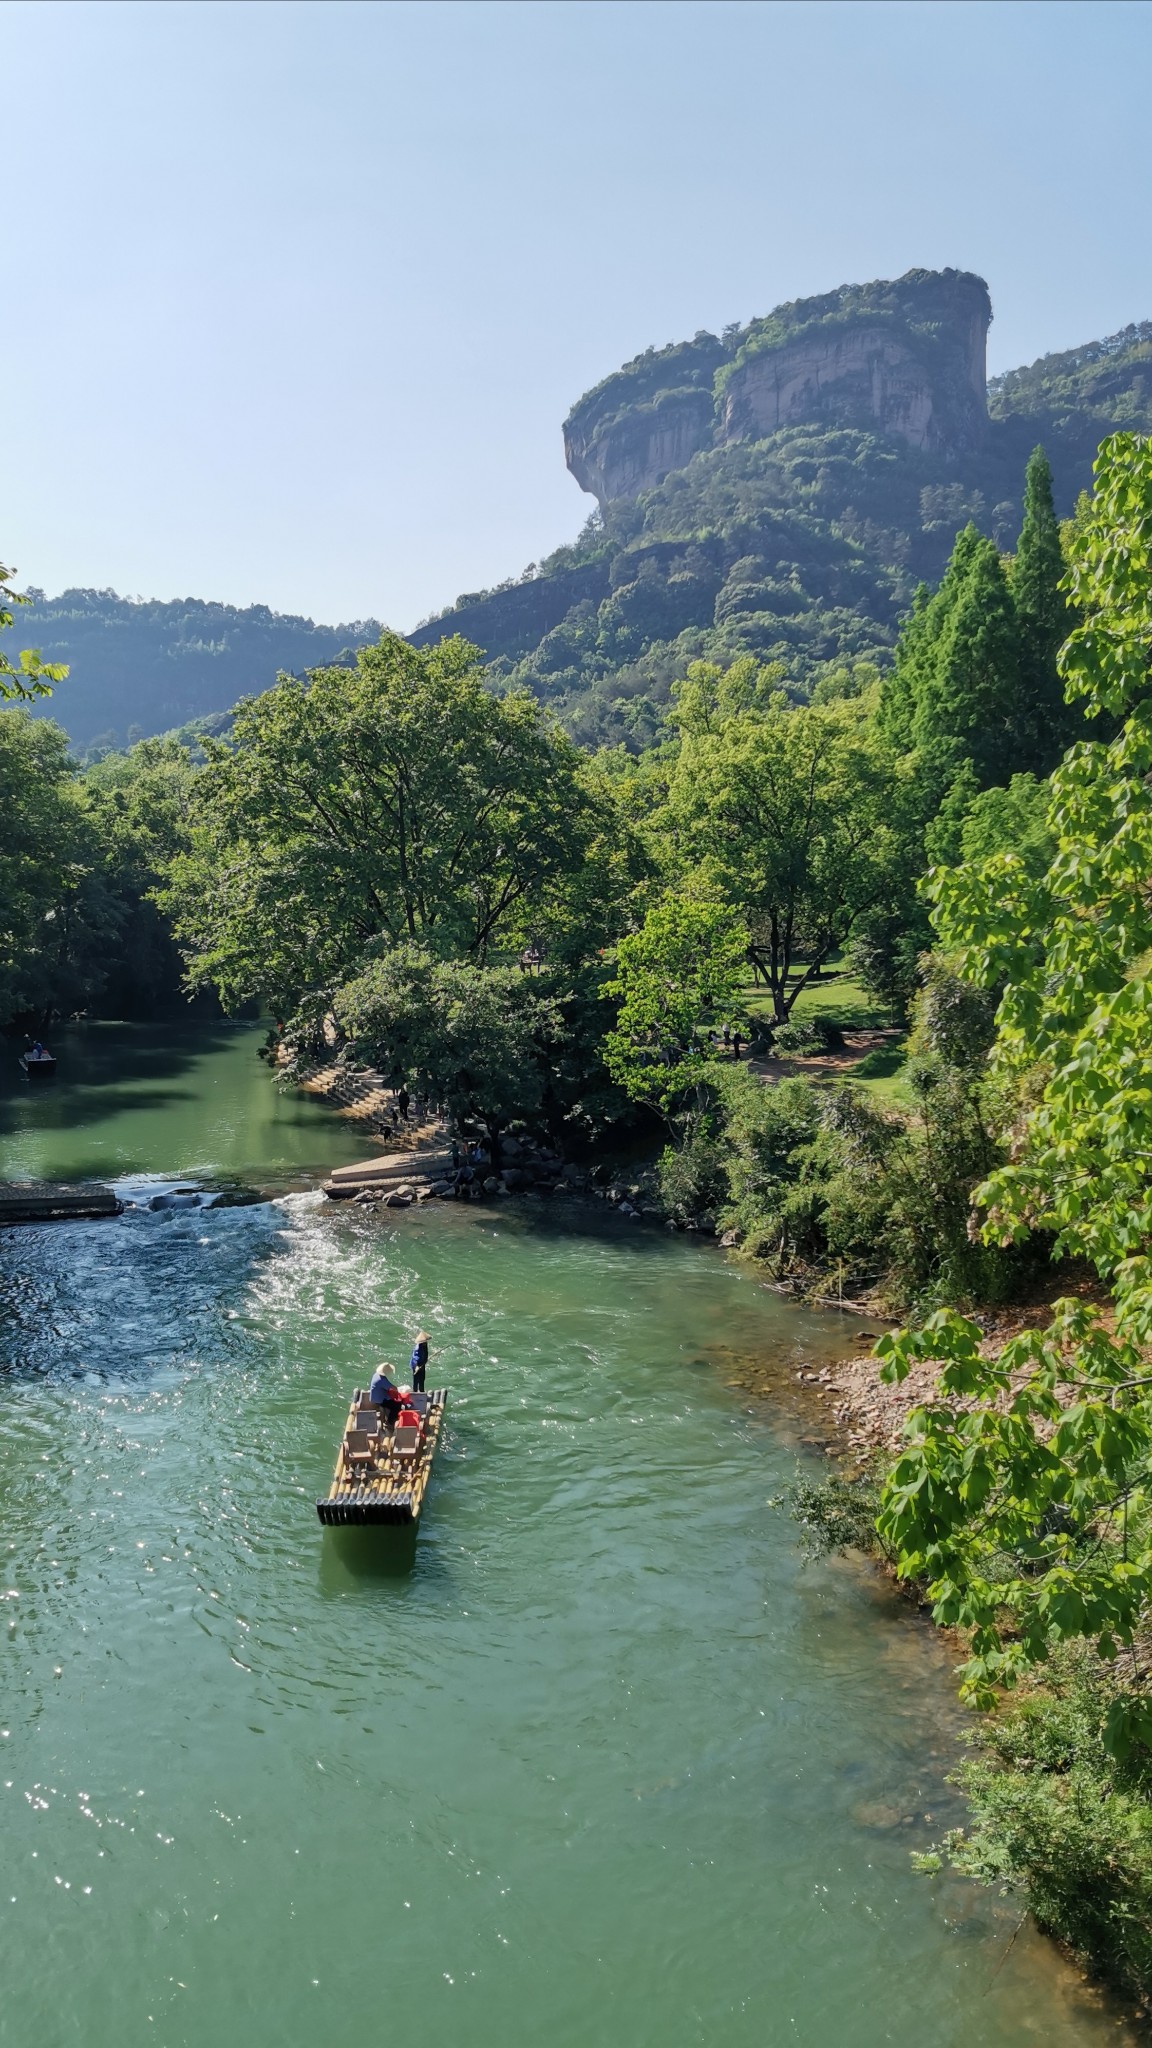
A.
pixel 777 490
pixel 142 667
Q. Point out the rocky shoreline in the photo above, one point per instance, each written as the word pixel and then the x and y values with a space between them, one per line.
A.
pixel 865 1417
pixel 434 1171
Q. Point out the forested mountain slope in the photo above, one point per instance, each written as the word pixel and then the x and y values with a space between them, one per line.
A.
pixel 782 488
pixel 779 489
pixel 143 668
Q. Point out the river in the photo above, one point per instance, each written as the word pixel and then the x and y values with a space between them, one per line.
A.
pixel 597 1760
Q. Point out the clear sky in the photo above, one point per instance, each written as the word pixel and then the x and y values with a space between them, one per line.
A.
pixel 297 296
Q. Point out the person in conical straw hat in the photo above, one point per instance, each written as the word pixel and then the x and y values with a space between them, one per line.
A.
pixel 418 1363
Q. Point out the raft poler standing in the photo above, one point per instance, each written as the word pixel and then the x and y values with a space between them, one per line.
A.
pixel 418 1363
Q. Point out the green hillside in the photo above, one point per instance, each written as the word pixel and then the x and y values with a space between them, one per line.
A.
pixel 802 545
pixel 143 668
pixel 779 489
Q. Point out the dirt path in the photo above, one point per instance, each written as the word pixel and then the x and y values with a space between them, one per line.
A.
pixel 835 1065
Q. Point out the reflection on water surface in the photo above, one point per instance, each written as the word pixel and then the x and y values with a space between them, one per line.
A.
pixel 171 1098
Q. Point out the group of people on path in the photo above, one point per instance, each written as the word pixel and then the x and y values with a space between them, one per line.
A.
pixel 731 1040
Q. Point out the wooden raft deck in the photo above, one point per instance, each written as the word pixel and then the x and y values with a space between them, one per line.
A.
pixel 394 1489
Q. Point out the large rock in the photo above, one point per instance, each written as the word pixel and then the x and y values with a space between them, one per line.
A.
pixel 907 358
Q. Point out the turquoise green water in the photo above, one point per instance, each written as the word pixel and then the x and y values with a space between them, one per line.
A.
pixel 179 1100
pixel 596 1760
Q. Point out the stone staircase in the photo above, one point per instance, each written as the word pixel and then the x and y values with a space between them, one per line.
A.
pixel 365 1097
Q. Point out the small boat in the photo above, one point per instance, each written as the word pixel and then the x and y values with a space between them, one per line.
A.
pixel 39 1066
pixel 382 1472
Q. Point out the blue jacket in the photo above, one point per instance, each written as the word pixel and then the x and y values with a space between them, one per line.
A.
pixel 381 1388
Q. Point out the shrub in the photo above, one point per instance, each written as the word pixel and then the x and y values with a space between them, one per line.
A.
pixel 1057 1816
pixel 690 1177
pixel 807 1035
pixel 835 1514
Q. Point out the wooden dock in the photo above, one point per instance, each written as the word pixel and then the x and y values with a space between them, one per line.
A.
pixel 393 1489
pixel 39 1201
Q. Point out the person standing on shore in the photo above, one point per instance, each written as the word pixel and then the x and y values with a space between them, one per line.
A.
pixel 418 1363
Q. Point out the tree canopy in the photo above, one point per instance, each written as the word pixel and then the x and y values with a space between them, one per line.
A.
pixel 1022 1495
pixel 675 977
pixel 396 803
pixel 474 1039
pixel 796 817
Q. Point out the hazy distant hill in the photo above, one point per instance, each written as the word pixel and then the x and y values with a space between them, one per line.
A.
pixel 778 489
pixel 144 668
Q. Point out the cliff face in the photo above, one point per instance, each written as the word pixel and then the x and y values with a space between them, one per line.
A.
pixel 907 359
pixel 642 446
pixel 777 491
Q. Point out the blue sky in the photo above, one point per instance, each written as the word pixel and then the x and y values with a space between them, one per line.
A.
pixel 297 296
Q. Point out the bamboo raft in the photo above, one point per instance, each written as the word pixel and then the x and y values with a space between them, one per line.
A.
pixel 388 1486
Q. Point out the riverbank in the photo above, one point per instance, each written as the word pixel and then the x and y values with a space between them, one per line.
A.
pixel 849 1412
pixel 866 1416
pixel 1056 1815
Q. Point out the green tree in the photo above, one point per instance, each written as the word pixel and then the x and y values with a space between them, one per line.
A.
pixel 139 804
pixel 975 676
pixel 1022 1496
pixel 55 916
pixel 30 677
pixel 968 693
pixel 675 977
pixel 1012 820
pixel 798 819
pixel 396 803
pixel 917 654
pixel 1047 723
pixel 477 1040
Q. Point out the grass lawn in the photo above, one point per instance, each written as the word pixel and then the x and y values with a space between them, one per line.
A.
pixel 847 1003
pixel 882 1073
pixel 836 995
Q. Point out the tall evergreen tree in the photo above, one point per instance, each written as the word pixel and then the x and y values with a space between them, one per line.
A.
pixel 967 687
pixel 918 652
pixel 1047 723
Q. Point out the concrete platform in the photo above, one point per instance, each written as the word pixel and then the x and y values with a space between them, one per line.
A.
pixel 415 1168
pixel 39 1201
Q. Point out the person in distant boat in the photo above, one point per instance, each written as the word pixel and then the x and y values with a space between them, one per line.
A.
pixel 384 1393
pixel 38 1052
pixel 418 1363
